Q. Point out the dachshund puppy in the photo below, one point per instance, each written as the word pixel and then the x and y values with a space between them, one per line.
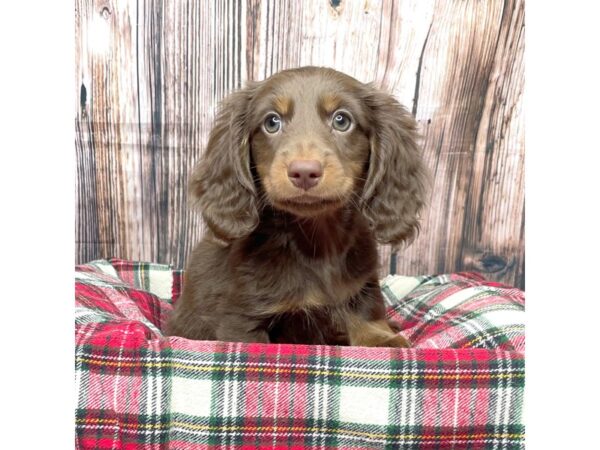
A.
pixel 303 174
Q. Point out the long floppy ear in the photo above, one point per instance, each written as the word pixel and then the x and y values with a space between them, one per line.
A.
pixel 395 190
pixel 221 184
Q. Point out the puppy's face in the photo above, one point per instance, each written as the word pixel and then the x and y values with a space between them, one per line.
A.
pixel 309 142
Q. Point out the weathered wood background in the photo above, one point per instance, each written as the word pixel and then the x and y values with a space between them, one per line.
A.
pixel 149 74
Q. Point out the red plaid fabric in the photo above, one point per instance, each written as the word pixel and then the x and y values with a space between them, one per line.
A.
pixel 460 387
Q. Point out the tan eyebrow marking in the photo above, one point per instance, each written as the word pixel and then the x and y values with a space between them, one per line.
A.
pixel 330 102
pixel 283 105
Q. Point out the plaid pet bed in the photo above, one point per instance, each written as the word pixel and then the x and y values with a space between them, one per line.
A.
pixel 460 387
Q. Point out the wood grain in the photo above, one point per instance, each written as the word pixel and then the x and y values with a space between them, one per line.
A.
pixel 147 98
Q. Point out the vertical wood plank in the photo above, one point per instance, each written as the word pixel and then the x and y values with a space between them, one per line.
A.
pixel 493 234
pixel 475 217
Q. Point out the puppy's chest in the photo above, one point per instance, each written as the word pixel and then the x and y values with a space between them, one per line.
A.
pixel 281 278
pixel 310 288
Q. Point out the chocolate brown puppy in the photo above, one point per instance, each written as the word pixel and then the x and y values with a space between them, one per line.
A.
pixel 303 174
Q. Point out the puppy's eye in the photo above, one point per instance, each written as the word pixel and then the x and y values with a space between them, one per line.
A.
pixel 272 123
pixel 341 121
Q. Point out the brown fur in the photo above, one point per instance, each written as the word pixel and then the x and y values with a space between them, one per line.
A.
pixel 280 264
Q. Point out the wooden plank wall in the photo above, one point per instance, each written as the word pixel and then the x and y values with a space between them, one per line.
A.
pixel 149 74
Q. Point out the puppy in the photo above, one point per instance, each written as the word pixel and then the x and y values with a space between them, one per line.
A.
pixel 303 174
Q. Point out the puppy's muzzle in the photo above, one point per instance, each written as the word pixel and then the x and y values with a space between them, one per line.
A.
pixel 305 173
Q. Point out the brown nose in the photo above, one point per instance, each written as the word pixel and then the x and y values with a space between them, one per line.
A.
pixel 305 173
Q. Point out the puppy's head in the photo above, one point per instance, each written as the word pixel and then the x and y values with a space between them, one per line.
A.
pixel 310 141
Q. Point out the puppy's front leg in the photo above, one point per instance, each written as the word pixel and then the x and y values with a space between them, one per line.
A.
pixel 366 322
pixel 239 328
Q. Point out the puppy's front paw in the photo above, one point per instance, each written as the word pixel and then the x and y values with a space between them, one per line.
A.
pixel 397 341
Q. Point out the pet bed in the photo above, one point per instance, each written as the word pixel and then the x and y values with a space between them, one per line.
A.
pixel 459 387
